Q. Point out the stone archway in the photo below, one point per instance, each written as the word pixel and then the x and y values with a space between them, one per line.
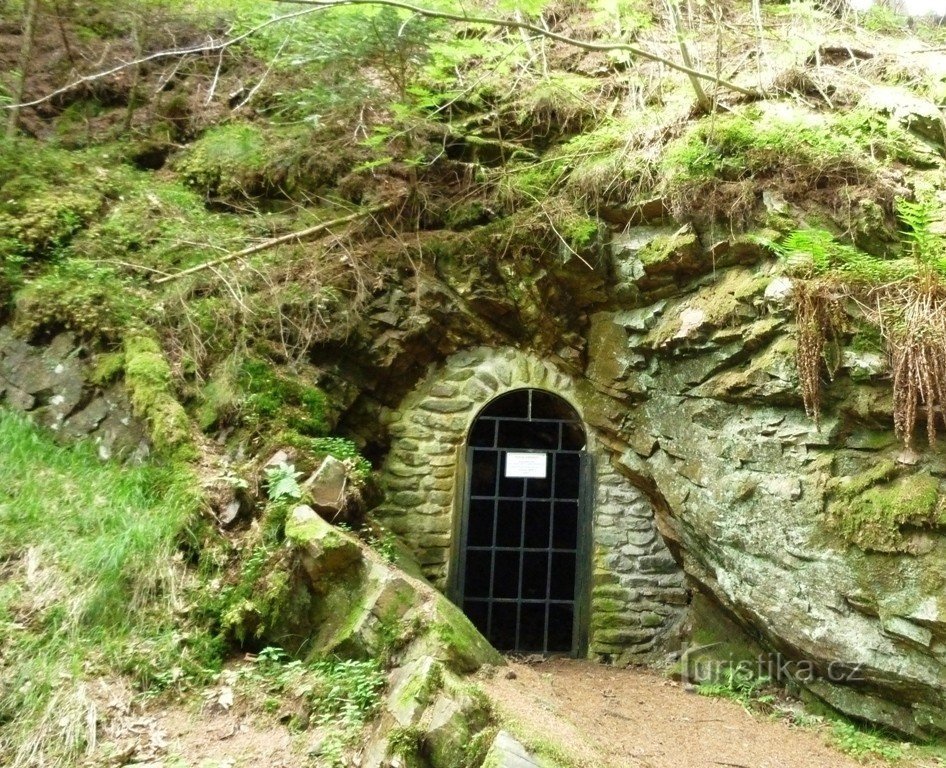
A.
pixel 523 557
pixel 637 592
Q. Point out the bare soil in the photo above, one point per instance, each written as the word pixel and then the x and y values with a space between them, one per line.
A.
pixel 606 717
pixel 597 716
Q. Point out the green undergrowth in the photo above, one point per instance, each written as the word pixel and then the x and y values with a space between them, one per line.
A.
pixel 236 161
pixel 815 252
pixel 92 589
pixel 707 169
pixel 865 744
pixel 738 682
pixel 333 698
pixel 91 298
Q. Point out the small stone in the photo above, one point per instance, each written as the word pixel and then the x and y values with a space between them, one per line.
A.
pixel 511 675
pixel 779 291
pixel 19 400
pixel 280 457
pixel 691 320
pixel 446 406
pixel 327 485
pixel 908 457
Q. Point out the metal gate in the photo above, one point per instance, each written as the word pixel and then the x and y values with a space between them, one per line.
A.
pixel 522 537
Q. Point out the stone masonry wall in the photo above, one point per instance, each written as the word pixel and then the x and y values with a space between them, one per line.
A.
pixel 638 594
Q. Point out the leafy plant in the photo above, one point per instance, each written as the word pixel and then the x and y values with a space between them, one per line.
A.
pixel 862 744
pixel 282 482
pixel 351 691
pixel 903 299
pixel 738 684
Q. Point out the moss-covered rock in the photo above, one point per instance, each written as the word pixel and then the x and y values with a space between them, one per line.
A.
pixel 149 383
pixel 874 509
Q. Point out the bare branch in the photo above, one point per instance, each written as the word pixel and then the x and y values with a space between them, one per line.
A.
pixel 210 47
pixel 534 28
pixel 273 242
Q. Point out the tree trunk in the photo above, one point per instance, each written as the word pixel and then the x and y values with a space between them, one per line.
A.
pixel 26 51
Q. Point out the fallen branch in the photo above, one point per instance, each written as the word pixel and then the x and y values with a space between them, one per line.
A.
pixel 534 28
pixel 301 234
pixel 211 47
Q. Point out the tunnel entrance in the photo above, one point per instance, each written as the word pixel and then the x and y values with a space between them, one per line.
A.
pixel 523 543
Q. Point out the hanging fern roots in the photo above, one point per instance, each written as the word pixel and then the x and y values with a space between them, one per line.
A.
pixel 911 317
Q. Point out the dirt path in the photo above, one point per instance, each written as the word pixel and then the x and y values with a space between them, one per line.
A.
pixel 620 718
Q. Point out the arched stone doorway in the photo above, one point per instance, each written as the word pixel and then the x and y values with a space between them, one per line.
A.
pixel 523 556
pixel 636 597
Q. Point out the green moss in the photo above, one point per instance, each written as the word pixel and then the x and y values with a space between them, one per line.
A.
pixel 664 251
pixel 220 399
pixel 148 378
pixel 464 648
pixel 880 473
pixel 477 748
pixel 225 160
pixel 161 224
pixel 263 597
pixel 272 398
pixel 604 167
pixel 580 232
pixel 715 168
pixel 242 160
pixel 527 183
pixel 872 510
pixel 46 197
pixel 108 367
pixel 406 742
pixel 92 299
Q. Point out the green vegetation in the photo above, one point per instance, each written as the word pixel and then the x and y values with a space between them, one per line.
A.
pixel 337 696
pixel 738 683
pixel 716 165
pixel 149 381
pixel 273 399
pixel 88 297
pixel 863 743
pixel 90 588
pixel 903 299
pixel 873 511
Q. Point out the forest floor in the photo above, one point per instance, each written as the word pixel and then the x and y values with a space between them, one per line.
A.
pixel 605 717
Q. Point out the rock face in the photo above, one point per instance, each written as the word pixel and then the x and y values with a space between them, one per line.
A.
pixel 53 383
pixel 825 542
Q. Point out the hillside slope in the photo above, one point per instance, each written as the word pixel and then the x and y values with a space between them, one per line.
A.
pixel 260 252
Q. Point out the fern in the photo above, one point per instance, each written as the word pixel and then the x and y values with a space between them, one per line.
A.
pixel 809 252
pixel 927 247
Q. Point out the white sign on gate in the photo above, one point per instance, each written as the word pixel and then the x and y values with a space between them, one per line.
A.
pixel 526 464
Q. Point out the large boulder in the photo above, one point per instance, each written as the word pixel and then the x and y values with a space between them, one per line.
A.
pixel 349 602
